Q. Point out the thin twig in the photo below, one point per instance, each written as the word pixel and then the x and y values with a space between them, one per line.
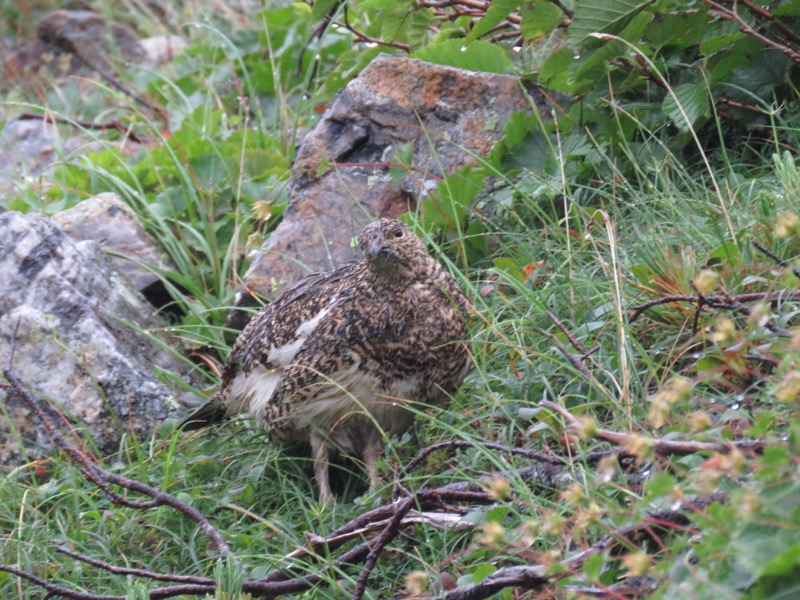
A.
pixel 575 360
pixel 534 577
pixel 763 249
pixel 526 452
pixel 764 14
pixel 714 301
pixel 732 15
pixel 137 572
pixel 363 37
pixel 572 339
pixel 379 543
pixel 115 124
pixel 659 446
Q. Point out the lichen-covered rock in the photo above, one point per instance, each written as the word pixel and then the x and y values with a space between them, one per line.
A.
pixel 448 116
pixel 77 334
pixel 68 41
pixel 105 218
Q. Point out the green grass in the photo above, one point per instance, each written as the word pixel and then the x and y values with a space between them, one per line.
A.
pixel 581 226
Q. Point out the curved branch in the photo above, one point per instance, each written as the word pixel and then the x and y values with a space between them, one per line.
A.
pixel 717 301
pixel 99 475
pixel 659 446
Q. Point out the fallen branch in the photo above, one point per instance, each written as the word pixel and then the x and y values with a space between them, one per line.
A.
pixel 778 260
pixel 108 125
pixel 717 301
pixel 659 446
pixel 194 579
pixel 101 477
pixel 544 457
pixel 389 532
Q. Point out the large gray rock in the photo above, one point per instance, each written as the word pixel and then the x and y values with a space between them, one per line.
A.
pixel 449 116
pixel 105 218
pixel 79 342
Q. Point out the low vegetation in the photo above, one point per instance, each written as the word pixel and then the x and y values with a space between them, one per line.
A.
pixel 630 427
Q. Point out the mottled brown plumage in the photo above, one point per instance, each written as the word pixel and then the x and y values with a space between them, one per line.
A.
pixel 334 361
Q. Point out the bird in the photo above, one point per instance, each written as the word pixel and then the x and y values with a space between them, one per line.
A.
pixel 345 357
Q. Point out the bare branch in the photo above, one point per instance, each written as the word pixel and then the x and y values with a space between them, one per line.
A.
pixel 137 572
pixel 116 124
pixel 659 446
pixel 388 534
pixel 732 15
pixel 57 590
pixel 95 473
pixel 778 260
pixel 717 301
pixel 526 452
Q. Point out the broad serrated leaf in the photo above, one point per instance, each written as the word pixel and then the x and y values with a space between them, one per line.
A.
pixel 405 24
pixel 540 18
pixel 477 56
pixel 555 71
pixel 720 42
pixel 497 12
pixel 607 16
pixel 677 30
pixel 689 103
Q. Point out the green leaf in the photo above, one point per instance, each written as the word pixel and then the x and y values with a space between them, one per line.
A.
pixel 477 56
pixel 689 103
pixel 555 71
pixel 482 571
pixel 405 24
pixel 324 166
pixel 593 567
pixel 783 563
pixel 606 16
pixel 210 169
pixel 540 18
pixel 786 9
pixel 720 42
pixel 349 64
pixel 403 156
pixel 727 253
pixel 677 30
pixel 496 514
pixel 660 485
pixel 321 8
pixel 497 12
pixel 509 267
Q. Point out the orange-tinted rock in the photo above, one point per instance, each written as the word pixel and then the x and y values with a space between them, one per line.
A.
pixel 447 115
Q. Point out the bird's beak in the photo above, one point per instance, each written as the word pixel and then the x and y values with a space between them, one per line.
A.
pixel 375 247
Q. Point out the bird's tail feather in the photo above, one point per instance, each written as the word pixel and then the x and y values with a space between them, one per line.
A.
pixel 209 413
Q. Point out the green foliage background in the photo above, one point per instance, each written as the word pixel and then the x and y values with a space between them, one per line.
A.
pixel 676 154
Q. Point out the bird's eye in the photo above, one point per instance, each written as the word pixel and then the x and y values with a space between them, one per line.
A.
pixel 398 233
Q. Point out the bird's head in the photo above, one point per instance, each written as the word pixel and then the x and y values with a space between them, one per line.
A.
pixel 390 248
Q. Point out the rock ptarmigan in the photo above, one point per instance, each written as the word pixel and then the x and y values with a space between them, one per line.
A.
pixel 336 359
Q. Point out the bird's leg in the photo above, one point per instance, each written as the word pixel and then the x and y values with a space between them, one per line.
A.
pixel 371 454
pixel 321 453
